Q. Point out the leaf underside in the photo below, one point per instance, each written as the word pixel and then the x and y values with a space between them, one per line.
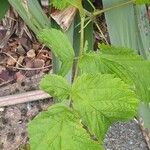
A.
pixel 60 46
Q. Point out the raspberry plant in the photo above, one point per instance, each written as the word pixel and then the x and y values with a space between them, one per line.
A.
pixel 106 86
pixel 103 91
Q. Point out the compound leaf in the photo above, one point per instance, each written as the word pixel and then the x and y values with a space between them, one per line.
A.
pixel 123 63
pixel 119 53
pixel 132 66
pixel 56 86
pixel 102 100
pixel 59 128
pixel 99 63
pixel 60 46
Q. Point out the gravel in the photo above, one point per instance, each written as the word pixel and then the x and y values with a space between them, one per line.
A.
pixel 125 136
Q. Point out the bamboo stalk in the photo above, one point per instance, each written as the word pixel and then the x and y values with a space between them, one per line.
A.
pixel 23 98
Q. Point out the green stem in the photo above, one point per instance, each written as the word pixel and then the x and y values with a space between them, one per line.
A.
pixel 82 28
pixel 82 37
pixel 112 7
pixel 91 16
pixel 81 44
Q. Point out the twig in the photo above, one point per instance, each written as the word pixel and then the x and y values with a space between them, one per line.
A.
pixel 31 69
pixel 145 132
pixel 98 12
pixel 102 34
pixel 23 98
pixel 12 58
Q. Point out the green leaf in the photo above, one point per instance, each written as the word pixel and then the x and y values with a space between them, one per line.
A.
pixel 128 31
pixel 3 8
pixel 61 4
pixel 38 14
pixel 113 60
pixel 56 86
pixel 91 63
pixel 32 14
pixel 142 1
pixel 132 66
pixel 24 14
pixel 102 100
pixel 59 128
pixel 140 75
pixel 123 63
pixel 121 27
pixel 60 46
pixel 103 63
pixel 143 32
pixel 144 113
pixel 119 53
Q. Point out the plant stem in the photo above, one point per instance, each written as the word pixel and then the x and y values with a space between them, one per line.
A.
pixel 82 37
pixel 112 7
pixel 82 28
pixel 102 34
pixel 90 16
pixel 81 51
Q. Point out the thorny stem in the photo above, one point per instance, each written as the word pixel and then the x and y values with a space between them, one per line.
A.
pixel 81 44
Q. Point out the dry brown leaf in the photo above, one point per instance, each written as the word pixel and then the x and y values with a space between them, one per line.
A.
pixel 64 17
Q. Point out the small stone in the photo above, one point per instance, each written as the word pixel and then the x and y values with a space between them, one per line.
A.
pixel 47 63
pixel 31 53
pixel 38 63
pixel 2 68
pixel 35 46
pixel 13 113
pixel 11 61
pixel 44 54
pixel 130 142
pixel 20 50
pixel 19 76
pixel 1 109
pixel 28 63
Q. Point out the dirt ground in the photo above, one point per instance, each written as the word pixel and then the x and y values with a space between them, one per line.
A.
pixel 13 123
pixel 14 119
